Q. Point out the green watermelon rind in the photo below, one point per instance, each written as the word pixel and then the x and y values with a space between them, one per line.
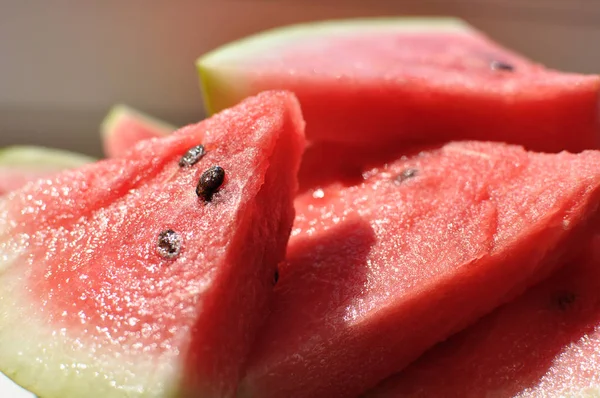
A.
pixel 36 158
pixel 24 157
pixel 82 379
pixel 39 157
pixel 50 359
pixel 121 111
pixel 215 68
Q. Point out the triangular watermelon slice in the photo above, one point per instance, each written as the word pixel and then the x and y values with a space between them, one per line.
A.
pixel 124 127
pixel 544 344
pixel 381 269
pixel 408 79
pixel 21 164
pixel 148 275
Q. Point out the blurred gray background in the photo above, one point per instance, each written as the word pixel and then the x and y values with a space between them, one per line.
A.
pixel 64 63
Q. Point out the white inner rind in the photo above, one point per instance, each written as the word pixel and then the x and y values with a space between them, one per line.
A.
pixel 40 158
pixel 48 360
pixel 44 359
pixel 219 68
pixel 249 46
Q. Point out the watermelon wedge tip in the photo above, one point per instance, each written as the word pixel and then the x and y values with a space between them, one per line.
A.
pixel 124 126
pixel 117 279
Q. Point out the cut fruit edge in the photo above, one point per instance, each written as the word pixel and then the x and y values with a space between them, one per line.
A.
pixel 210 63
pixel 119 112
pixel 39 157
pixel 77 363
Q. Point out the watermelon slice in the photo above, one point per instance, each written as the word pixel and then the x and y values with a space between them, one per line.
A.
pixel 321 162
pixel 377 271
pixel 21 164
pixel 148 275
pixel 124 127
pixel 410 80
pixel 324 163
pixel 544 344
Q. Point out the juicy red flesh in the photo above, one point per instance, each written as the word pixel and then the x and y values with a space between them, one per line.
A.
pixel 377 272
pixel 13 178
pixel 128 131
pixel 426 88
pixel 92 234
pixel 544 343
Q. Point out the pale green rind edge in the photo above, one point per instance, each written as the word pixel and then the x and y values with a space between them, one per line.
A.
pixel 205 88
pixel 119 112
pixel 246 46
pixel 78 385
pixel 39 157
pixel 209 65
pixel 75 392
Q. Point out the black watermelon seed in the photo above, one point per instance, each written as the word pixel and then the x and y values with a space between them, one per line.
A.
pixel 405 175
pixel 564 300
pixel 502 66
pixel 210 181
pixel 275 277
pixel 169 244
pixel 192 156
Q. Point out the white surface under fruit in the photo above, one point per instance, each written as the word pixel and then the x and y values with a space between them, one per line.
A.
pixel 8 389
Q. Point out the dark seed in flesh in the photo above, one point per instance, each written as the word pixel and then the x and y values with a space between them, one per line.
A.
pixel 210 181
pixel 405 175
pixel 192 156
pixel 565 299
pixel 169 244
pixel 502 66
pixel 275 277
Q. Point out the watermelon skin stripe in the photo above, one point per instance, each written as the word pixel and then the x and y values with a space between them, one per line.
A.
pixel 87 305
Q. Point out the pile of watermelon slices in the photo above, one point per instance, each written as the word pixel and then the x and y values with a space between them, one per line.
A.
pixel 377 208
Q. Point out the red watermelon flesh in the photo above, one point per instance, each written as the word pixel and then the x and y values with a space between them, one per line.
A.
pixel 418 80
pixel 544 344
pixel 22 164
pixel 124 127
pixel 381 270
pixel 92 304
pixel 11 179
pixel 324 163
